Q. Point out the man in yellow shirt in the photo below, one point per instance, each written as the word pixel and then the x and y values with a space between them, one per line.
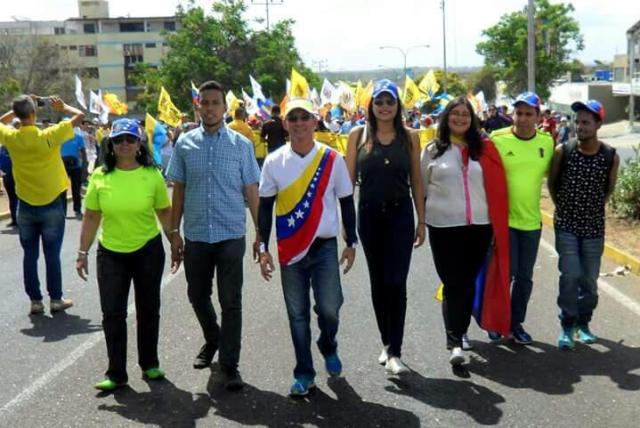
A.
pixel 41 181
pixel 240 125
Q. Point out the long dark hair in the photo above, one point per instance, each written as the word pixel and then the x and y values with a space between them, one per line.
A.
pixel 472 137
pixel 108 155
pixel 372 127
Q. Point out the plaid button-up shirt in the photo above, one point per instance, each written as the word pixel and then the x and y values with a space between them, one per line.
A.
pixel 214 169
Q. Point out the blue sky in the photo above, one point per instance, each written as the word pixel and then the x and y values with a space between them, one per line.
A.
pixel 347 34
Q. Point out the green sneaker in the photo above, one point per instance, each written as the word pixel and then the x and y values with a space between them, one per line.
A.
pixel 154 373
pixel 584 334
pixel 565 340
pixel 108 385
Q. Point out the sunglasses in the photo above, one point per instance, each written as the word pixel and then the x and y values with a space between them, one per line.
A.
pixel 121 139
pixel 303 117
pixel 383 101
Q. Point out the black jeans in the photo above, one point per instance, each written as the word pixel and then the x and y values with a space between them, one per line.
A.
pixel 75 176
pixel 201 259
pixel 458 254
pixel 387 231
pixel 10 187
pixel 115 272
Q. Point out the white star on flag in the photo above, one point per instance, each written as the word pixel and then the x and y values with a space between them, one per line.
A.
pixel 299 214
pixel 309 194
pixel 292 221
pixel 306 204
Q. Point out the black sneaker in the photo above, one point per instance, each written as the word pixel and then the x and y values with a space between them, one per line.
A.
pixel 521 337
pixel 205 356
pixel 232 380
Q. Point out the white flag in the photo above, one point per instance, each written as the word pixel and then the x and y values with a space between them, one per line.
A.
pixel 79 94
pixel 346 97
pixel 328 93
pixel 95 103
pixel 315 97
pixel 250 105
pixel 288 87
pixel 481 101
pixel 256 89
pixel 103 108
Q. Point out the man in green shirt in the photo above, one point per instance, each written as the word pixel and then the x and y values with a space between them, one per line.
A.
pixel 526 154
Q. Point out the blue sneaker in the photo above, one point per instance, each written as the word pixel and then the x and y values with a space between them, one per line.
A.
pixel 301 387
pixel 585 335
pixel 333 364
pixel 521 337
pixel 565 340
pixel 494 336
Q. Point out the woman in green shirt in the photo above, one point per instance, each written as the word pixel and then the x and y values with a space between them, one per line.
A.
pixel 126 194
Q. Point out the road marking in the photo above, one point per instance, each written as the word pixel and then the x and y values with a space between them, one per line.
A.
pixel 604 286
pixel 75 355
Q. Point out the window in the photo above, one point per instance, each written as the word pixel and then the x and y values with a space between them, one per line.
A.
pixel 133 94
pixel 91 73
pixel 89 28
pixel 170 25
pixel 149 45
pixel 64 48
pixel 132 27
pixel 87 50
pixel 58 30
pixel 132 53
pixel 73 48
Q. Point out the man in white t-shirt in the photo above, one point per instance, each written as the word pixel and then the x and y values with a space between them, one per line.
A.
pixel 305 180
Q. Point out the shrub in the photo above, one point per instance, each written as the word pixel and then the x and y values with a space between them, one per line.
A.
pixel 625 200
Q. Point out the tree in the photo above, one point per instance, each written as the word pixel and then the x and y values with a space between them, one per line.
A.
pixel 221 46
pixel 455 87
pixel 485 81
pixel 557 37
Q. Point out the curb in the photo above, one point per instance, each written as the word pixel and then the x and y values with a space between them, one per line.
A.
pixel 620 257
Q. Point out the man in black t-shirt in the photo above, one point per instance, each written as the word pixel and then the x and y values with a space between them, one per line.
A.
pixel 273 132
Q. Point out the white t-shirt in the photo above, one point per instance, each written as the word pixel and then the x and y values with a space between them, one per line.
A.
pixel 284 171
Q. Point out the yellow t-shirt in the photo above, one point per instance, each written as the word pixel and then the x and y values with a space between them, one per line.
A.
pixel 244 129
pixel 526 162
pixel 127 201
pixel 37 166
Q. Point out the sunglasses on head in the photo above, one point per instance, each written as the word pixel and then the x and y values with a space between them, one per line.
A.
pixel 122 138
pixel 383 101
pixel 303 117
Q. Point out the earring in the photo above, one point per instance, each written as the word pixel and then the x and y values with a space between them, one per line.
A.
pixel 138 153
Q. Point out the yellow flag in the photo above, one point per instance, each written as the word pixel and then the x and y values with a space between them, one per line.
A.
pixel 299 85
pixel 167 111
pixel 411 93
pixel 364 96
pixel 429 85
pixel 149 126
pixel 116 106
pixel 233 102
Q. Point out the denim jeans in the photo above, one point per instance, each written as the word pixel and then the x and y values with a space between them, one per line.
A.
pixel 523 252
pixel 201 260
pixel 115 273
pixel 319 271
pixel 34 223
pixel 579 265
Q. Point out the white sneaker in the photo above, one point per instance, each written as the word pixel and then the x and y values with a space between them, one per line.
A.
pixel 384 356
pixel 457 356
pixel 466 345
pixel 396 366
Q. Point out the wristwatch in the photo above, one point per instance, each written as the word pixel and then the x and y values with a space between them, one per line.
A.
pixel 354 244
pixel 262 248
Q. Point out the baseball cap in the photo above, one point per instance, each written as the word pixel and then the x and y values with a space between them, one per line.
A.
pixel 593 106
pixel 385 85
pixel 126 126
pixel 299 103
pixel 529 98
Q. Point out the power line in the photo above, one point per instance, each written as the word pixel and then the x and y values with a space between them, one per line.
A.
pixel 267 4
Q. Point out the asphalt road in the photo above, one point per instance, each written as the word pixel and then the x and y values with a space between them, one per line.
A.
pixel 48 365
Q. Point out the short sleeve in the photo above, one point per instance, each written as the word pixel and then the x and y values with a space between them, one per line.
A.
pixel 176 169
pixel 161 195
pixel 60 133
pixel 268 186
pixel 342 179
pixel 250 168
pixel 91 200
pixel 425 171
pixel 5 131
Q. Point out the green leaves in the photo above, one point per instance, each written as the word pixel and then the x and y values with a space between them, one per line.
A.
pixel 625 199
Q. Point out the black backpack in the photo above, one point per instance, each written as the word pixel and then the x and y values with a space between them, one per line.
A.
pixel 570 146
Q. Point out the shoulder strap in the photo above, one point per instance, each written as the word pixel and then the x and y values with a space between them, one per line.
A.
pixel 609 155
pixel 362 139
pixel 566 150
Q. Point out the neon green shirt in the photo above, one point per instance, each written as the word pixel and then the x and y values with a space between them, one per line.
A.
pixel 37 166
pixel 127 201
pixel 526 162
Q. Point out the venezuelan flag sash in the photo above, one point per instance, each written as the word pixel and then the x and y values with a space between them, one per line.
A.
pixel 299 207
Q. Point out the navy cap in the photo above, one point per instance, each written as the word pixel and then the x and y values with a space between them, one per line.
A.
pixel 126 126
pixel 385 85
pixel 529 98
pixel 593 106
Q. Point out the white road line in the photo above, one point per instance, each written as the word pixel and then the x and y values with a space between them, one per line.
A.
pixel 75 355
pixel 605 287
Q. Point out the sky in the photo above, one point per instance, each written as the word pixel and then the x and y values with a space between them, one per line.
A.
pixel 340 35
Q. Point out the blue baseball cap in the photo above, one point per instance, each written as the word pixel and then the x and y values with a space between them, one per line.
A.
pixel 593 106
pixel 529 98
pixel 126 126
pixel 385 85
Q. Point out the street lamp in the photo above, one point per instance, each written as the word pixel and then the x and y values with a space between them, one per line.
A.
pixel 404 53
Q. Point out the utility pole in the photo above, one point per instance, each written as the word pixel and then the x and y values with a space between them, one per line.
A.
pixel 267 4
pixel 531 48
pixel 444 49
pixel 321 64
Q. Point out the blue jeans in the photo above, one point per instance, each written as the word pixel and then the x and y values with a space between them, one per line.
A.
pixel 318 270
pixel 523 246
pixel 579 265
pixel 46 222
